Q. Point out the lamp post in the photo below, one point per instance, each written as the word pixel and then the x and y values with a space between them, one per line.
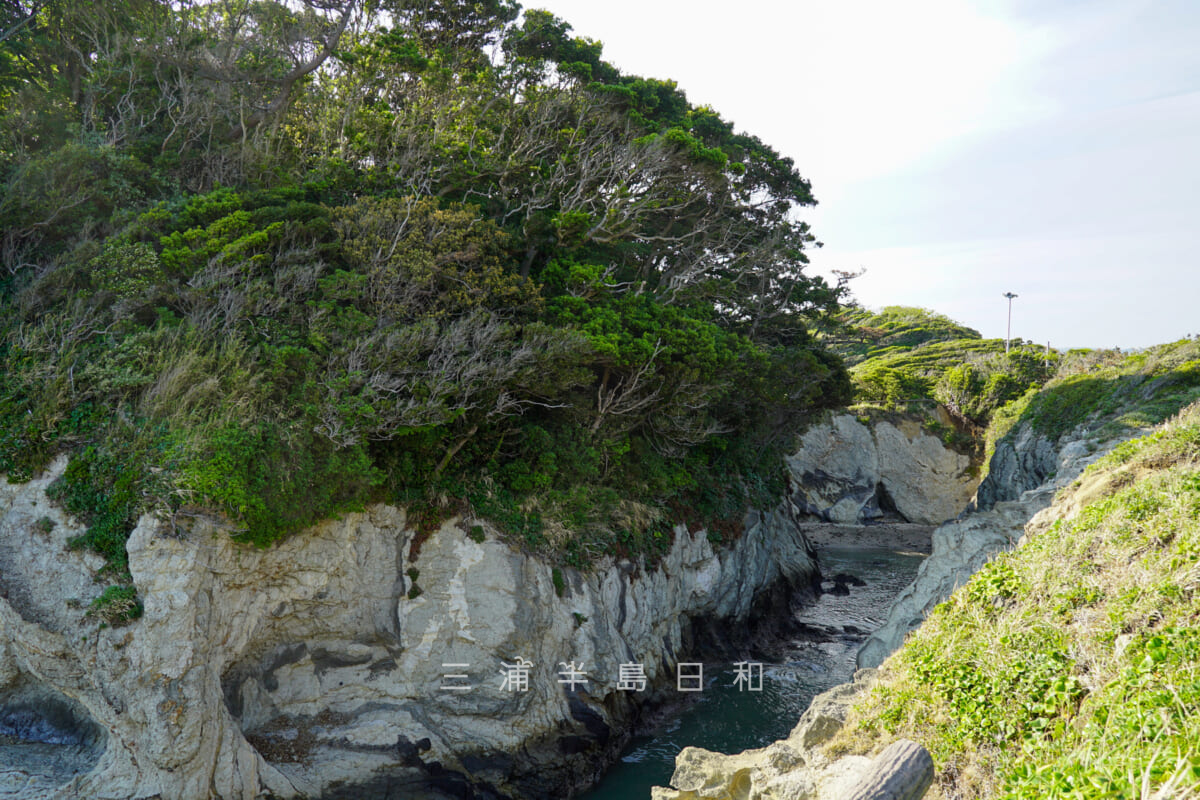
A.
pixel 1008 337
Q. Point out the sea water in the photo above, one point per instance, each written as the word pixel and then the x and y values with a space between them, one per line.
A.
pixel 727 718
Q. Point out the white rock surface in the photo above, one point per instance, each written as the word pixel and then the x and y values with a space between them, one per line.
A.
pixel 312 653
pixel 844 471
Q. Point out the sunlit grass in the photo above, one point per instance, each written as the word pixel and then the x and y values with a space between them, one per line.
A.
pixel 1069 668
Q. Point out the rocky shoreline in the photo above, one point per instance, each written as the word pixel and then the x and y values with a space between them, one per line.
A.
pixel 1017 493
pixel 313 668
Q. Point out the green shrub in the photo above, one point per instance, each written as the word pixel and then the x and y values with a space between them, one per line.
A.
pixel 295 358
pixel 108 486
pixel 116 606
pixel 275 479
pixel 414 591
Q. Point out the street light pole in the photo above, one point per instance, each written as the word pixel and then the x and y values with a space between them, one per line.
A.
pixel 1008 337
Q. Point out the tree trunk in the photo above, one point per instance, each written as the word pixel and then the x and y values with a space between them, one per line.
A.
pixel 527 264
pixel 454 450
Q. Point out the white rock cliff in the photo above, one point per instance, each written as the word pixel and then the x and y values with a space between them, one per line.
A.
pixel 849 472
pixel 305 670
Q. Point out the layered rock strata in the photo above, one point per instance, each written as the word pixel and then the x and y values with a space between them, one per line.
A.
pixel 323 666
pixel 850 472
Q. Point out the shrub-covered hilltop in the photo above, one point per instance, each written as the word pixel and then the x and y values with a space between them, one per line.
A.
pixel 285 258
pixel 903 358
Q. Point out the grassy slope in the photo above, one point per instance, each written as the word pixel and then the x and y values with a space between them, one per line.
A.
pixel 1106 392
pixel 893 329
pixel 912 359
pixel 1070 667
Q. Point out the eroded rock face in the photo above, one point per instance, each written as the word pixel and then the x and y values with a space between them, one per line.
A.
pixel 848 472
pixel 1018 465
pixel 790 769
pixel 1021 486
pixel 962 546
pixel 315 668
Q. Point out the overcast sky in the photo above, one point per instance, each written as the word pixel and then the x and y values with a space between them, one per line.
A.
pixel 960 150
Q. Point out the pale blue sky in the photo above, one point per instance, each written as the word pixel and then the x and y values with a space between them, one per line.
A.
pixel 960 150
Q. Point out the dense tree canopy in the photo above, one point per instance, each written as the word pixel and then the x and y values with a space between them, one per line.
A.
pixel 298 255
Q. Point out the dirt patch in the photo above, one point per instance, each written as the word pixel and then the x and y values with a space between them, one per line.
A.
pixel 905 537
pixel 291 740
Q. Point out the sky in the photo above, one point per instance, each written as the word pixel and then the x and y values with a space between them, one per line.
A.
pixel 961 150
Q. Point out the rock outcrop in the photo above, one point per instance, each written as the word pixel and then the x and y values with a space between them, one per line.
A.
pixel 1020 463
pixel 325 666
pixel 794 768
pixel 1025 476
pixel 849 472
pixel 962 546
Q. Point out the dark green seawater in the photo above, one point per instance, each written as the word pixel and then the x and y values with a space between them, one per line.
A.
pixel 728 720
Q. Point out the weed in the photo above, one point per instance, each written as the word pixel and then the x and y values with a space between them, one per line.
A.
pixel 116 606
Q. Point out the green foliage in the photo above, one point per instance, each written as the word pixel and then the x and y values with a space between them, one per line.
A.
pixel 860 335
pixel 275 479
pixel 889 387
pixel 126 270
pixel 978 387
pixel 1069 667
pixel 533 289
pixel 413 259
pixel 47 200
pixel 905 358
pixel 106 486
pixel 116 606
pixel 1109 392
pixel 560 586
pixel 1031 697
pixel 971 377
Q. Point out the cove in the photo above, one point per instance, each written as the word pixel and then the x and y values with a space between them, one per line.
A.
pixel 728 720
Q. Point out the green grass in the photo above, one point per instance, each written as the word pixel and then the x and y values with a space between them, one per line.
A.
pixel 1107 393
pixel 1069 668
pixel 893 330
pixel 116 606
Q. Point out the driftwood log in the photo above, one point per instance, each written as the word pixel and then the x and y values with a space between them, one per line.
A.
pixel 903 771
